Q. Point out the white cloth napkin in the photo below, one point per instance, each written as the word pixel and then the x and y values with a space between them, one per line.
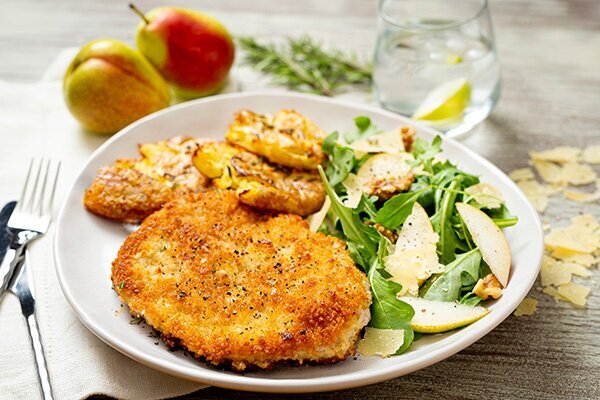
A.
pixel 35 122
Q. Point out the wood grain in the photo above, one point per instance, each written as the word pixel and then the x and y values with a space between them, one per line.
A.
pixel 550 56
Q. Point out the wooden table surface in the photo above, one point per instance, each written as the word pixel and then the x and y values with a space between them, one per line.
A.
pixel 550 56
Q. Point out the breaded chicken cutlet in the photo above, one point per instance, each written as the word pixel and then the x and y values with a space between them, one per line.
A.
pixel 238 288
pixel 132 189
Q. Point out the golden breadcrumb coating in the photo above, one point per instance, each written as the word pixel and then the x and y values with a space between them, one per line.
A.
pixel 125 194
pixel 239 288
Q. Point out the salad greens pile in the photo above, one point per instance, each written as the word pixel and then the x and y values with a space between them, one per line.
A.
pixel 437 186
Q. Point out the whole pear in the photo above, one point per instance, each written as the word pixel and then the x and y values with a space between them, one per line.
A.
pixel 192 50
pixel 109 85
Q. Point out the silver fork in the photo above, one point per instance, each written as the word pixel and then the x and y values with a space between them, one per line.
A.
pixel 30 220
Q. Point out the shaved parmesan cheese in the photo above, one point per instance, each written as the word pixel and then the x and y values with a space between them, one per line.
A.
pixel 380 342
pixel 414 258
pixel 586 221
pixel 575 293
pixel 581 197
pixel 486 195
pixel 551 291
pixel 550 172
pixel 571 172
pixel 586 260
pixel 521 174
pixel 554 273
pixel 387 142
pixel 591 154
pixel 561 154
pixel 578 174
pixel 577 269
pixel 527 307
pixel 353 191
pixel 315 220
pixel 536 193
pixel 577 238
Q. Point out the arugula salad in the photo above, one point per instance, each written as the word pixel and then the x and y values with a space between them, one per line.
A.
pixel 427 235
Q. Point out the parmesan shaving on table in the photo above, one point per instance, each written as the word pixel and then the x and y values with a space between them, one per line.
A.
pixel 527 307
pixel 570 250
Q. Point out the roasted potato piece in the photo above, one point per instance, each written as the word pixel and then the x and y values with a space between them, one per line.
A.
pixel 287 137
pixel 170 162
pixel 259 183
pixel 267 187
pixel 125 194
pixel 132 189
pixel 213 157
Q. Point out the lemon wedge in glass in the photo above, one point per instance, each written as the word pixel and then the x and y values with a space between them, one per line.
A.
pixel 445 103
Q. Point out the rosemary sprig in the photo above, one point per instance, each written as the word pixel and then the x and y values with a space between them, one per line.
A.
pixel 303 64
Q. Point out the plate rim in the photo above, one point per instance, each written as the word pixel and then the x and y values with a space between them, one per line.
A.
pixel 294 385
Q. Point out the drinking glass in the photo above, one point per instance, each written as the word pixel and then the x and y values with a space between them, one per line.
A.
pixel 435 61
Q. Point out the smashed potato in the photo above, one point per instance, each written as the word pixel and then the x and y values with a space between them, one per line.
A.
pixel 286 137
pixel 169 162
pixel 132 189
pixel 259 183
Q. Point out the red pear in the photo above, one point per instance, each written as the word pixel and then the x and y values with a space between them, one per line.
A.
pixel 192 50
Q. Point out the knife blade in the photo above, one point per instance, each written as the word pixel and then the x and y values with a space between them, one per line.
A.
pixel 5 240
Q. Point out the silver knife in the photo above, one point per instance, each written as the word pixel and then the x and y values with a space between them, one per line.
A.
pixel 5 241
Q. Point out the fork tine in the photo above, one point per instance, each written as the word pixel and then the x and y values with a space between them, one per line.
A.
pixel 24 190
pixel 34 189
pixel 39 204
pixel 53 183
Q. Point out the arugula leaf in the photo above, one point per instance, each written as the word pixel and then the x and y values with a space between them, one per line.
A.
pixel 362 122
pixel 395 211
pixel 365 129
pixel 470 299
pixel 424 152
pixel 363 235
pixel 442 224
pixel 366 207
pixel 341 159
pixel 447 285
pixel 502 217
pixel 387 312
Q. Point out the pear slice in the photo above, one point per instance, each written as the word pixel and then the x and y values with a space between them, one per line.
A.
pixel 414 258
pixel 433 316
pixel 489 239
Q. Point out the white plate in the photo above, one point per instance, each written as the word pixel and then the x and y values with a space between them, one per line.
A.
pixel 85 246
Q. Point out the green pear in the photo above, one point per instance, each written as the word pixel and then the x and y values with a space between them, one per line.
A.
pixel 192 50
pixel 110 85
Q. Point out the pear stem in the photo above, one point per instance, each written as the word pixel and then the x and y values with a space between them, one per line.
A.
pixel 139 12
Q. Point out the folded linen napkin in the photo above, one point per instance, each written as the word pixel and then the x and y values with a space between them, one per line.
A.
pixel 35 122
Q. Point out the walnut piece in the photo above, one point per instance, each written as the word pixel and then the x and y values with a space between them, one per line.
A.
pixel 408 137
pixel 488 287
